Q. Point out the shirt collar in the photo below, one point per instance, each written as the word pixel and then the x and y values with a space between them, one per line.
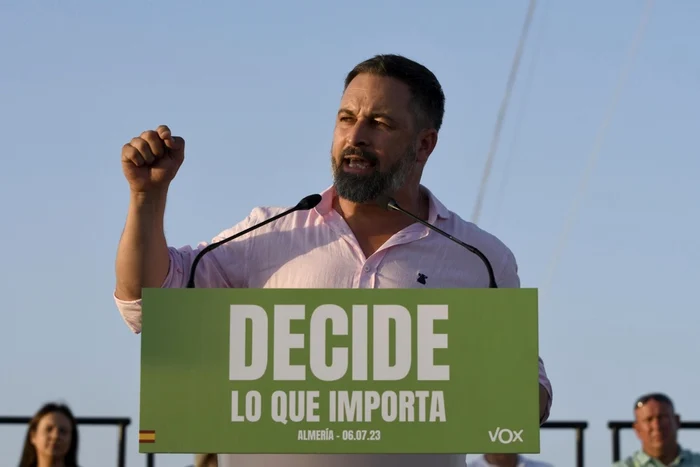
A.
pixel 644 458
pixel 436 210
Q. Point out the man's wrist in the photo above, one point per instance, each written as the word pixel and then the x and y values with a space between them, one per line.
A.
pixel 149 196
pixel 149 199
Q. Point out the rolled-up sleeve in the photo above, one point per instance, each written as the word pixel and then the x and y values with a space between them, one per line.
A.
pixel 507 277
pixel 547 385
pixel 212 270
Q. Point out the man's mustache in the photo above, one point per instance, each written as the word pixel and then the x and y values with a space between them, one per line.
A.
pixel 369 156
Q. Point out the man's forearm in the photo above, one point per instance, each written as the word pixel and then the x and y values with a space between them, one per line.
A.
pixel 142 255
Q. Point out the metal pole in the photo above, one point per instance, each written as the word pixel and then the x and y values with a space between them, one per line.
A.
pixel 616 444
pixel 121 453
pixel 579 447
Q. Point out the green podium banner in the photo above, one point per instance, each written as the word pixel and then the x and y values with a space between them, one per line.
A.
pixel 451 371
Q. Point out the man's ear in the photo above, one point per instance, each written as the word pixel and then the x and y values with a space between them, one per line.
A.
pixel 425 144
pixel 635 427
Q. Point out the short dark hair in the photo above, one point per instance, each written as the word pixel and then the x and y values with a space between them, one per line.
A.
pixel 427 94
pixel 654 396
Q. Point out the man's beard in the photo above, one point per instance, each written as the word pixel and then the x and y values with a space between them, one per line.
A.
pixel 367 188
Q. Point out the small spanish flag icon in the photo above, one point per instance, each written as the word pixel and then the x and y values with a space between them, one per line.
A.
pixel 147 436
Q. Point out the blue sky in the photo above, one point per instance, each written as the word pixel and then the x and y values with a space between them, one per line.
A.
pixel 254 88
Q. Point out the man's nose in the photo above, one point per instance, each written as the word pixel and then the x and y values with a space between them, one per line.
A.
pixel 358 135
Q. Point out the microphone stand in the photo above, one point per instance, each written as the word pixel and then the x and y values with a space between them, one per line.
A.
pixel 390 203
pixel 306 203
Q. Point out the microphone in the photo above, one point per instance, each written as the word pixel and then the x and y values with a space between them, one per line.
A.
pixel 305 204
pixel 389 203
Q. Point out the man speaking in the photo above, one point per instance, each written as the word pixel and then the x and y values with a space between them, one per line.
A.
pixel 385 130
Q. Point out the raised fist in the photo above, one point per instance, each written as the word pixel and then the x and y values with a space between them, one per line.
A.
pixel 151 160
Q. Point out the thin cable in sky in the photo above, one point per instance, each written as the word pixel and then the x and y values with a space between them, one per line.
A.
pixel 502 112
pixel 519 118
pixel 602 131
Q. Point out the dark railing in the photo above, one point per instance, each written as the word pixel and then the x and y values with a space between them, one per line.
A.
pixel 121 423
pixel 579 427
pixel 616 426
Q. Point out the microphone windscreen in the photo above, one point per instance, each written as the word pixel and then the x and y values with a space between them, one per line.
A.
pixel 309 202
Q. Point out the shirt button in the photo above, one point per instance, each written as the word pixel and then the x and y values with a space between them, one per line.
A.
pixel 366 268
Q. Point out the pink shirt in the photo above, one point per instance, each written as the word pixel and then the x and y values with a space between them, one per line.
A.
pixel 317 249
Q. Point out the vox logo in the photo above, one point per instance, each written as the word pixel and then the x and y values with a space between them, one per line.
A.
pixel 506 436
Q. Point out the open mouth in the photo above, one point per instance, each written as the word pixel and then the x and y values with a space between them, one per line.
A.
pixel 357 164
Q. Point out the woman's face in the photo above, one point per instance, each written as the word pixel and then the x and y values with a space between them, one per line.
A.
pixel 53 436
